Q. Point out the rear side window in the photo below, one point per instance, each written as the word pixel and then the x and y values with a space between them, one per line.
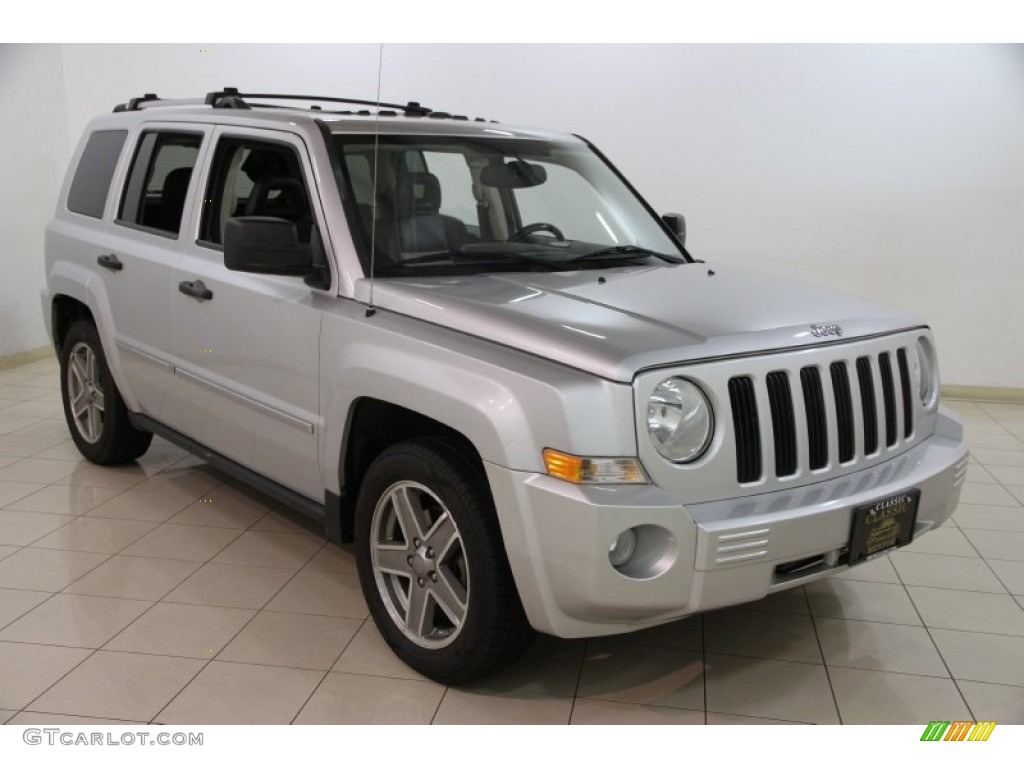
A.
pixel 158 182
pixel 89 188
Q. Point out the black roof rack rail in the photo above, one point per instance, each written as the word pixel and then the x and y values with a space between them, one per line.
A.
pixel 133 105
pixel 232 98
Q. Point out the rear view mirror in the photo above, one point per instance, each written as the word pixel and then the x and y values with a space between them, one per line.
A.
pixel 515 174
pixel 677 223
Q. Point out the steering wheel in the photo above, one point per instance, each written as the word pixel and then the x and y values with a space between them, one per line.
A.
pixel 541 226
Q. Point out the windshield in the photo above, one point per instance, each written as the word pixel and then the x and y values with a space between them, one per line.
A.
pixel 458 205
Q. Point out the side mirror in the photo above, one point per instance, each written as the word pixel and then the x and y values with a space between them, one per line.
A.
pixel 267 245
pixel 677 223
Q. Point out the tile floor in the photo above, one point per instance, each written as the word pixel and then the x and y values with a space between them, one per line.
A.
pixel 161 592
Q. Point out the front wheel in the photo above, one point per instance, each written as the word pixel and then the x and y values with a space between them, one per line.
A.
pixel 432 564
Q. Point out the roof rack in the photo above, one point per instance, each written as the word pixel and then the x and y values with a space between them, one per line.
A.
pixel 152 100
pixel 232 98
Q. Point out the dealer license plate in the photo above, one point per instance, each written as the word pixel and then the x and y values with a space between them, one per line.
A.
pixel 883 525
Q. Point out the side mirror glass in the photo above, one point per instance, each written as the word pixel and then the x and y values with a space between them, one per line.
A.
pixel 677 223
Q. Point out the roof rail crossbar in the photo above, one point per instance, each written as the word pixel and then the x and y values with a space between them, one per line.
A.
pixel 233 99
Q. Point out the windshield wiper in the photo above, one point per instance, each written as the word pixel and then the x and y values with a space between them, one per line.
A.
pixel 449 258
pixel 626 251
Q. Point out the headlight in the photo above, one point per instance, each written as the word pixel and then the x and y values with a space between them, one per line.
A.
pixel 927 373
pixel 679 420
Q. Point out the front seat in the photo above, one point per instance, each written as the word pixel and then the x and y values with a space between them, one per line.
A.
pixel 284 198
pixel 422 228
pixel 172 198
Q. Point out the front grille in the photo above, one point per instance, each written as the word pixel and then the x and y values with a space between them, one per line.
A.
pixel 840 423
pixel 844 410
pixel 908 408
pixel 783 425
pixel 868 407
pixel 817 427
pixel 888 398
pixel 748 431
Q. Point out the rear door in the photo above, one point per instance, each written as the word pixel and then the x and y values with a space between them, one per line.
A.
pixel 247 345
pixel 140 251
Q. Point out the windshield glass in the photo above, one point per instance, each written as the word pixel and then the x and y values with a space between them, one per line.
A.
pixel 458 205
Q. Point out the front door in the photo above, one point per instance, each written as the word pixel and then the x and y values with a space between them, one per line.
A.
pixel 247 345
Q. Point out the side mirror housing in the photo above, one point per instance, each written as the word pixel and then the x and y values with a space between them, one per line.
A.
pixel 267 245
pixel 677 223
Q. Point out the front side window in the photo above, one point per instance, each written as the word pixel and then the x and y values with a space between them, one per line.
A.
pixel 158 182
pixel 255 178
pixel 437 205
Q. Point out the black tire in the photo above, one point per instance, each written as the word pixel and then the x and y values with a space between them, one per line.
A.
pixel 436 477
pixel 109 437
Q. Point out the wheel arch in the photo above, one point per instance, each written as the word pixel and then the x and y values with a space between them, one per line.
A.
pixel 373 425
pixel 65 311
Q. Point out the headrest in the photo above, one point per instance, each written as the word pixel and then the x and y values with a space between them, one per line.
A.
pixel 176 184
pixel 262 164
pixel 420 193
pixel 290 200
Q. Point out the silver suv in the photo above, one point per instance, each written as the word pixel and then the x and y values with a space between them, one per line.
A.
pixel 476 351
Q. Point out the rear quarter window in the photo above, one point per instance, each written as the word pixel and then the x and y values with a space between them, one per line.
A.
pixel 91 183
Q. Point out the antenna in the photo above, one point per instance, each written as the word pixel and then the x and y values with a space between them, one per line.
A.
pixel 371 310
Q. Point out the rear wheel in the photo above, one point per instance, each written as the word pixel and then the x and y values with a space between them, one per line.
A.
pixel 95 412
pixel 432 564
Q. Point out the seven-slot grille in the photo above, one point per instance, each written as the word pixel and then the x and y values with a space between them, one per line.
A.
pixel 812 416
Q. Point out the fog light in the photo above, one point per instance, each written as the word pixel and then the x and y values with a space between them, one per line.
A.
pixel 622 548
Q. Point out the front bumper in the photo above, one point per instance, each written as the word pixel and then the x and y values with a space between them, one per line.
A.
pixel 712 554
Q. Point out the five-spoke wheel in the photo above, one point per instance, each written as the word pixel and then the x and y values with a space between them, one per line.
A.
pixel 85 392
pixel 432 564
pixel 419 564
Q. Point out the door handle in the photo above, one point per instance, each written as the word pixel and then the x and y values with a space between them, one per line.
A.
pixel 110 261
pixel 196 289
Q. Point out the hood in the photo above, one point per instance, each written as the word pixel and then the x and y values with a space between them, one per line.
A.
pixel 616 322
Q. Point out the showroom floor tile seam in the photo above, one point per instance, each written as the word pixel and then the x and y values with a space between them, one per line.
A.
pixel 748 657
pixel 579 678
pixel 26 613
pixel 77 518
pixel 824 659
pixel 111 720
pixel 155 600
pixel 61 591
pixel 125 491
pixel 704 660
pixel 328 671
pixel 986 560
pixel 155 718
pixel 312 693
pixel 938 650
pixel 255 613
pixel 157 721
pixel 93 652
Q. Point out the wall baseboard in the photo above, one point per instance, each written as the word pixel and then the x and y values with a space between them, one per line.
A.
pixel 1014 395
pixel 28 356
